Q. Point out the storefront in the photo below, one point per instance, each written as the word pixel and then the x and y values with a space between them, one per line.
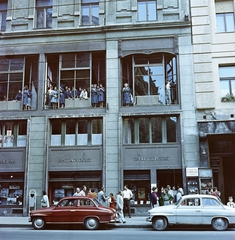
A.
pixel 12 187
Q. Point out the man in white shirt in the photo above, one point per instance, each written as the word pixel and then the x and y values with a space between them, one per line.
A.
pixel 127 195
pixel 83 192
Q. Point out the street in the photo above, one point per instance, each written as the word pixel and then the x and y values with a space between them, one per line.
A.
pixel 64 233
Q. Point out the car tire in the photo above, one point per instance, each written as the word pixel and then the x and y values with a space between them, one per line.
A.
pixel 39 223
pixel 159 223
pixel 220 224
pixel 91 223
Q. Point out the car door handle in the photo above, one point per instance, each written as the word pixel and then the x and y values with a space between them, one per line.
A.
pixel 72 210
pixel 198 210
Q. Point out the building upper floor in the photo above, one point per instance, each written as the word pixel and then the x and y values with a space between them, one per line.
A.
pixel 32 15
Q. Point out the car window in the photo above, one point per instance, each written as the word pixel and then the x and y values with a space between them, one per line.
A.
pixel 85 202
pixel 209 202
pixel 191 202
pixel 67 203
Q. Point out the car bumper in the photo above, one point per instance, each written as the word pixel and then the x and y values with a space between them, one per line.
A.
pixel 148 219
pixel 112 221
pixel 30 220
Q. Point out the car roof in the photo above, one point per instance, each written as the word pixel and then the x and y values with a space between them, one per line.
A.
pixel 77 197
pixel 199 196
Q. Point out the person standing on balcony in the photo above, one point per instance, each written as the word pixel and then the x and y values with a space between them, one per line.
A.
pixel 126 95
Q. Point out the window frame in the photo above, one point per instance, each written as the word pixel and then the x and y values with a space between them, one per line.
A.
pixel 131 133
pixel 44 6
pixel 3 15
pixel 91 5
pixel 148 7
pixel 90 141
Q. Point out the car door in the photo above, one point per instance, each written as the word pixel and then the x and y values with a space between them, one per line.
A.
pixel 211 207
pixel 64 212
pixel 85 208
pixel 189 211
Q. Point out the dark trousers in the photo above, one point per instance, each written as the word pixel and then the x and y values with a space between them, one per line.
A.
pixel 127 207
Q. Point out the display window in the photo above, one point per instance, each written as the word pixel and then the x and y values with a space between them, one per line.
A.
pixel 11 189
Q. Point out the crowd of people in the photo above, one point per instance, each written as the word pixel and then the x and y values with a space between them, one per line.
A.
pixel 56 97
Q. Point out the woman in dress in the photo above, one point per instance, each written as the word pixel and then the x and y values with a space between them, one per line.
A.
pixel 101 95
pixel 126 95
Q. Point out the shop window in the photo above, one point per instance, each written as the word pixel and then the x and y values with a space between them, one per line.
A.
pixel 76 132
pixel 12 189
pixel 70 80
pixel 227 83
pixel 90 12
pixel 225 16
pixel 147 10
pixel 3 15
pixel 44 13
pixel 150 130
pixel 18 83
pixel 149 80
pixel 13 134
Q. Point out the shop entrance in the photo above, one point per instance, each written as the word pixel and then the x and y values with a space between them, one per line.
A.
pixel 222 162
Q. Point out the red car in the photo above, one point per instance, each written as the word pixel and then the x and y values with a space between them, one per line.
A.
pixel 73 210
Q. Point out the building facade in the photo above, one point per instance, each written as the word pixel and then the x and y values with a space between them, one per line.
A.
pixel 95 92
pixel 213 33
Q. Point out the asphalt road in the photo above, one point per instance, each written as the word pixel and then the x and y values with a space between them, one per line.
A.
pixel 115 234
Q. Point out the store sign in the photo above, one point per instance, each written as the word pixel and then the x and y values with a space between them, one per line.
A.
pixel 191 172
pixel 70 159
pixel 164 157
pixel 12 160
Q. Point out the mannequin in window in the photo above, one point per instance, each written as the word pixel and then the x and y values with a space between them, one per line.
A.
pixel 126 95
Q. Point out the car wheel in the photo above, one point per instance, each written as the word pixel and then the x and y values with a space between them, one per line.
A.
pixel 219 224
pixel 39 223
pixel 159 223
pixel 91 223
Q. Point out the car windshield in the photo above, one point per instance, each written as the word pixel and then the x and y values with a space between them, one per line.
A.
pixel 96 201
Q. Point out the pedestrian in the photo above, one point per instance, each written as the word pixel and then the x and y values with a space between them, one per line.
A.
pixel 119 207
pixel 230 202
pixel 83 191
pixel 127 195
pixel 166 198
pixel 77 192
pixel 112 201
pixel 101 197
pixel 178 195
pixel 45 200
pixel 154 198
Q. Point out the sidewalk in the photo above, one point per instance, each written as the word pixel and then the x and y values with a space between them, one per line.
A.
pixel 18 222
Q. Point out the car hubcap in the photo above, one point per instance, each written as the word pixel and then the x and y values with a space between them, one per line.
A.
pixel 39 222
pixel 159 223
pixel 219 223
pixel 91 222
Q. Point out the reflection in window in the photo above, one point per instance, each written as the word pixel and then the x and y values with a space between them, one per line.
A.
pixel 44 13
pixel 76 132
pixel 90 12
pixel 3 15
pixel 13 134
pixel 149 75
pixel 147 10
pixel 227 82
pixel 149 130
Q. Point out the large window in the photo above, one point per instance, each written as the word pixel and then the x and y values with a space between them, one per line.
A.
pixel 225 16
pixel 18 82
pixel 90 12
pixel 75 80
pixel 3 15
pixel 44 13
pixel 147 10
pixel 138 130
pixel 227 83
pixel 76 132
pixel 145 79
pixel 13 134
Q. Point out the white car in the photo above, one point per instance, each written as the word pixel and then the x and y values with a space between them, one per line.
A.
pixel 195 210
